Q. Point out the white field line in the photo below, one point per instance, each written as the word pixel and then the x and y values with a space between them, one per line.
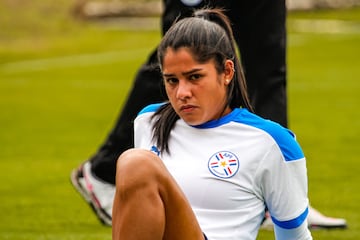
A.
pixel 72 60
pixel 326 26
pixel 302 26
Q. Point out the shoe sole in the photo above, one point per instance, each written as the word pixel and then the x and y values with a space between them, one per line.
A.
pixel 90 199
pixel 329 227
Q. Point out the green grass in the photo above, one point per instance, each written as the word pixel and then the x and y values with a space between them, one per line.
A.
pixel 62 83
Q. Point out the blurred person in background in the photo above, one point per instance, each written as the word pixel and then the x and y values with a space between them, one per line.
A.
pixel 260 33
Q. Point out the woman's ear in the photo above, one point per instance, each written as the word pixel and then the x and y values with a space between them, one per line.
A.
pixel 229 71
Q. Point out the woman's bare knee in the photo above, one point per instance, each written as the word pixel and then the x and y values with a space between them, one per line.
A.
pixel 138 168
pixel 145 187
pixel 138 208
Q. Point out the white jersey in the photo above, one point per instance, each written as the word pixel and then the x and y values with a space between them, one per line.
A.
pixel 231 168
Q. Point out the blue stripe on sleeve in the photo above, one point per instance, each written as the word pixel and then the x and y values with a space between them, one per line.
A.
pixel 294 223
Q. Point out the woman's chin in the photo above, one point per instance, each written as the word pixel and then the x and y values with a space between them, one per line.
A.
pixel 192 121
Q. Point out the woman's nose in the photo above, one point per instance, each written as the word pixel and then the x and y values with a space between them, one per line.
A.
pixel 184 90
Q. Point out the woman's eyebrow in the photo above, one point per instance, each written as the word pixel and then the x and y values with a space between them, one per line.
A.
pixel 183 73
pixel 191 71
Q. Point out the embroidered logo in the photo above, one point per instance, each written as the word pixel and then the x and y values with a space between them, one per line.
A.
pixel 224 164
pixel 155 150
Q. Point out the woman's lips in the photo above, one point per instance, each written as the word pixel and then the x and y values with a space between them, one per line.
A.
pixel 187 108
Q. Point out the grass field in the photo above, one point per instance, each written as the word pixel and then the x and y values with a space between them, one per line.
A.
pixel 62 83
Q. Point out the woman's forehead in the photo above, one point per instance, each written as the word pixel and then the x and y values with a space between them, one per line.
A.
pixel 182 58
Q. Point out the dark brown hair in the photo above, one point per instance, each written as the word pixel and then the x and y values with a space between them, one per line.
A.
pixel 208 35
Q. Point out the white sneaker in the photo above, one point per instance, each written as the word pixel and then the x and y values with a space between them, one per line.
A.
pixel 97 193
pixel 315 219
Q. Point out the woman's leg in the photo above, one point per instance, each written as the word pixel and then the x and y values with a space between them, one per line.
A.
pixel 148 202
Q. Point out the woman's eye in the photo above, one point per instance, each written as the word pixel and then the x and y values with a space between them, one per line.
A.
pixel 171 80
pixel 194 77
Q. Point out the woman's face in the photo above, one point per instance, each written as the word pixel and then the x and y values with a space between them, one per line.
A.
pixel 196 90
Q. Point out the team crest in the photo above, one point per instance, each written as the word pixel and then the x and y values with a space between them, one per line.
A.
pixel 224 164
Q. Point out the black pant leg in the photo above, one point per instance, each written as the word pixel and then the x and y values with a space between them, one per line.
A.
pixel 260 32
pixel 147 88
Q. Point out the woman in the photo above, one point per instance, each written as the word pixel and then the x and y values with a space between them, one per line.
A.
pixel 204 166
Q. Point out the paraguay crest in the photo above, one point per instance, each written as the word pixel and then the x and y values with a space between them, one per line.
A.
pixel 224 164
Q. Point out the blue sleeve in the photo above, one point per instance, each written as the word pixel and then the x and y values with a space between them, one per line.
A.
pixel 284 138
pixel 150 108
